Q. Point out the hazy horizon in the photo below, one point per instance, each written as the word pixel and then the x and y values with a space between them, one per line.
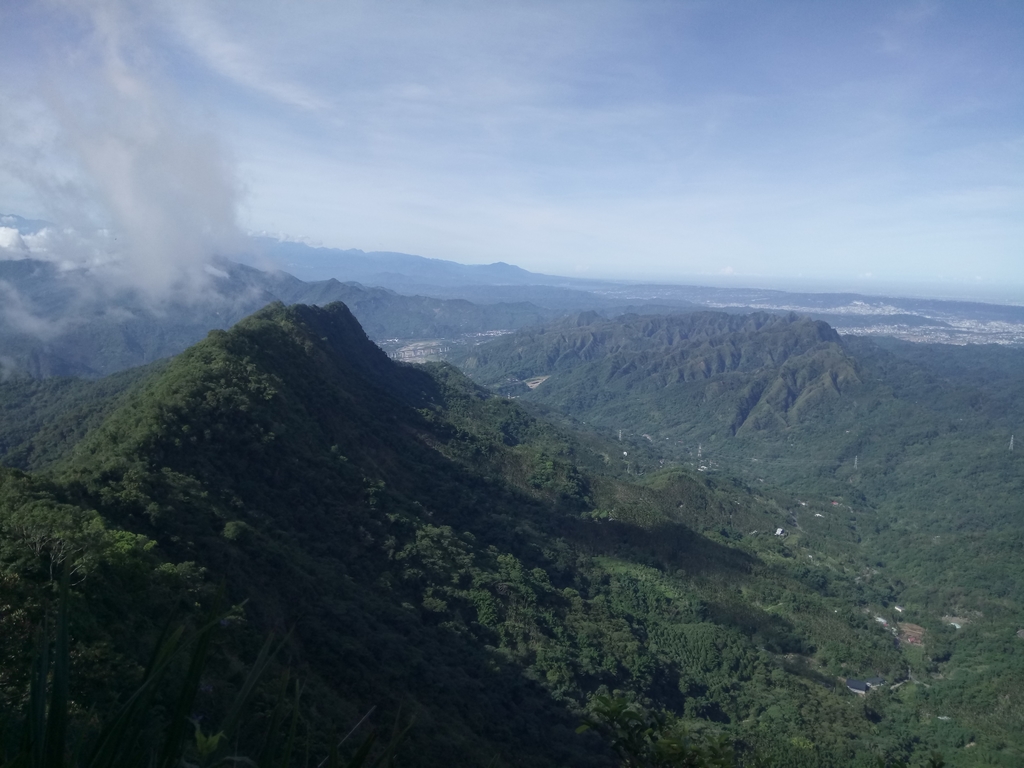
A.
pixel 870 146
pixel 1009 294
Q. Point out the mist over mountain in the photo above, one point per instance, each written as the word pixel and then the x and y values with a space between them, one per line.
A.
pixel 61 317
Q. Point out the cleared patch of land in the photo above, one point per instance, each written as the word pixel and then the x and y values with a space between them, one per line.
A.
pixel 421 351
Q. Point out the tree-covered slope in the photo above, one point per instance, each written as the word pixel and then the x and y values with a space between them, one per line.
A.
pixel 923 430
pixel 920 435
pixel 681 373
pixel 41 420
pixel 432 547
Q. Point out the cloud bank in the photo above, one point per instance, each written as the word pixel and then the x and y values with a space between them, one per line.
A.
pixel 103 143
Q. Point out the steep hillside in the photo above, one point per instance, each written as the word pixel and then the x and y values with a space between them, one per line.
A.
pixel 779 397
pixel 919 435
pixel 433 547
pixel 921 432
pixel 41 420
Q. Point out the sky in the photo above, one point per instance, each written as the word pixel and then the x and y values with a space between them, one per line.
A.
pixel 846 145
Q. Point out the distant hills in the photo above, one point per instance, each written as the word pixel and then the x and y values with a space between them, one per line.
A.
pixel 388 268
pixel 60 322
pixel 58 317
pixel 915 319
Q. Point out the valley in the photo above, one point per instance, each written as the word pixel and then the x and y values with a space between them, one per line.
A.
pixel 696 512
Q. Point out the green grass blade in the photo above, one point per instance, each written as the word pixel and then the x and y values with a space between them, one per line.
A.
pixel 392 746
pixel 258 668
pixel 36 727
pixel 57 722
pixel 120 733
pixel 270 745
pixel 359 758
pixel 117 736
pixel 170 753
pixel 292 728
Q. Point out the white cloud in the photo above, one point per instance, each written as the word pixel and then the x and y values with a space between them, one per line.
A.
pixel 115 156
pixel 12 246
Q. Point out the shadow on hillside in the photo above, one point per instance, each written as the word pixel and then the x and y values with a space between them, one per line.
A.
pixel 670 547
pixel 676 550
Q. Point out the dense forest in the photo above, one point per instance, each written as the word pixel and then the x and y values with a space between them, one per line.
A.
pixel 493 574
pixel 907 445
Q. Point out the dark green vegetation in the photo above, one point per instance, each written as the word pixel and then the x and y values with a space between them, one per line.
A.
pixel 128 737
pixel 434 548
pixel 891 453
pixel 42 419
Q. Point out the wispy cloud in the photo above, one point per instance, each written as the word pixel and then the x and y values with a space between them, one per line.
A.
pixel 18 314
pixel 231 58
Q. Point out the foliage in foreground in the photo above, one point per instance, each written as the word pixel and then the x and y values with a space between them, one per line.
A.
pixel 130 737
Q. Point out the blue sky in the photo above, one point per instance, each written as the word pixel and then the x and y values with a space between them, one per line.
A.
pixel 839 144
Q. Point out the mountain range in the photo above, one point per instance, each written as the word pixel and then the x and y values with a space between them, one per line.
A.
pixel 58 318
pixel 428 545
pixel 713 522
pixel 432 548
pixel 59 322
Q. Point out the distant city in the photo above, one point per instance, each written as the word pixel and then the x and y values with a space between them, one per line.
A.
pixel 935 321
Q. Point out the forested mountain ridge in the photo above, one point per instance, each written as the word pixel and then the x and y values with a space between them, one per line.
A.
pixel 921 432
pixel 433 546
pixel 747 386
pixel 764 368
pixel 920 435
